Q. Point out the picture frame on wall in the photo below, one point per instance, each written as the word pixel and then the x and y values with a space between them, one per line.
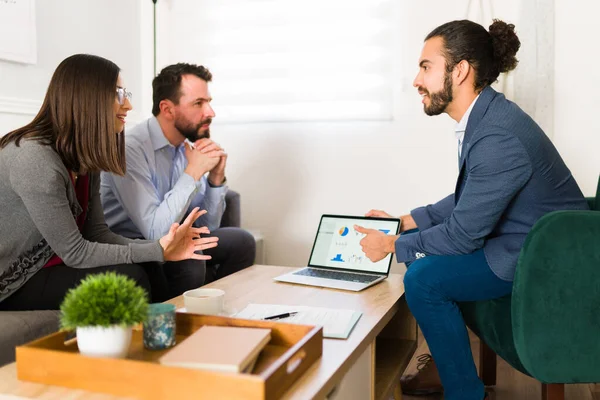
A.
pixel 18 41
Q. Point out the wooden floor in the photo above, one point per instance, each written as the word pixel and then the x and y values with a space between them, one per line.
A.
pixel 511 384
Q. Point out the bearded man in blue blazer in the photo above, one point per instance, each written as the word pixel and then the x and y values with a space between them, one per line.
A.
pixel 466 246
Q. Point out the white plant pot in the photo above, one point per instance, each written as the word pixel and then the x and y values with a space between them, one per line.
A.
pixel 98 341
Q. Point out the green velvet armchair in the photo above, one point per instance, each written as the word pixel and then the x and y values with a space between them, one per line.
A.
pixel 549 328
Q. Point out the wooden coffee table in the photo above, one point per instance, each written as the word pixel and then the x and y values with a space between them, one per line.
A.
pixel 367 365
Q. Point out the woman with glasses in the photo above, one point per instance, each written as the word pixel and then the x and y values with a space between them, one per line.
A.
pixel 52 229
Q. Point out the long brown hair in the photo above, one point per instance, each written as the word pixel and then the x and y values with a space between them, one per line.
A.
pixel 77 118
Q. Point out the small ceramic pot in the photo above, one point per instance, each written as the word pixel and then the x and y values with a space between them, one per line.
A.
pixel 99 341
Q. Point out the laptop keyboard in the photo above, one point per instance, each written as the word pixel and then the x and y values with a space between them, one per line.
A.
pixel 337 275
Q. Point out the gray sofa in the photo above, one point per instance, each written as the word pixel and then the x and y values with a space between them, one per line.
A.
pixel 19 327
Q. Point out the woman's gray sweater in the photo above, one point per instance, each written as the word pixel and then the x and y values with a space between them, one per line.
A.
pixel 38 207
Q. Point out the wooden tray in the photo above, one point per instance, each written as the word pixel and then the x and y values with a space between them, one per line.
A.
pixel 292 350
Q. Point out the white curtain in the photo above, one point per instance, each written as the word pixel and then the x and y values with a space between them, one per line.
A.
pixel 531 84
pixel 315 60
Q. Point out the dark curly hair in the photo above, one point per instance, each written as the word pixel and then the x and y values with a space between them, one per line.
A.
pixel 489 53
pixel 167 83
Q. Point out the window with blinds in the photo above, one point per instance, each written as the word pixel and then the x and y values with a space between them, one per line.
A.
pixel 282 60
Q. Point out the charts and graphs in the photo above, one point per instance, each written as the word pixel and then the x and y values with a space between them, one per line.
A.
pixel 338 244
pixel 338 258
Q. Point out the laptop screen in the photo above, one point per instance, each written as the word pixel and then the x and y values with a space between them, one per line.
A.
pixel 337 244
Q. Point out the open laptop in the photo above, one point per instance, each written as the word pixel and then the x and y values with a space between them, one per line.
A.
pixel 337 260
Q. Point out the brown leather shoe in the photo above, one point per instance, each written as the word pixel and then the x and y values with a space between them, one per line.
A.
pixel 425 381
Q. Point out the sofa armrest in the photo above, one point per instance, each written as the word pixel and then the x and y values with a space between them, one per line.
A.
pixel 233 214
pixel 556 298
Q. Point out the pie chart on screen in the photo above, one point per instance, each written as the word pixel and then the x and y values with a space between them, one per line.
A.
pixel 343 231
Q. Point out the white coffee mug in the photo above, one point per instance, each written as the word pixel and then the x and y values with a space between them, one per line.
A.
pixel 204 301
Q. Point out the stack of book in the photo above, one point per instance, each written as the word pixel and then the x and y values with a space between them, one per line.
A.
pixel 219 348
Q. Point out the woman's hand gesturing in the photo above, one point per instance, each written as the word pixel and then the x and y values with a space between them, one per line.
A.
pixel 182 241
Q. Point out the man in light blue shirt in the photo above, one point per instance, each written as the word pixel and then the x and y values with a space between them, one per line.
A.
pixel 172 167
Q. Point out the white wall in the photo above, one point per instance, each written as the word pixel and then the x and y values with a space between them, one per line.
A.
pixel 576 100
pixel 114 29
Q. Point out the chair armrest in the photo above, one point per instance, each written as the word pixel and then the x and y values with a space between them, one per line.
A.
pixel 233 214
pixel 556 298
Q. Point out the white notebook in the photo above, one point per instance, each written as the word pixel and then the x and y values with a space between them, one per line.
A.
pixel 336 323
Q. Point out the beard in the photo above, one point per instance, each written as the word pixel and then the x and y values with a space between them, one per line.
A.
pixel 440 99
pixel 191 131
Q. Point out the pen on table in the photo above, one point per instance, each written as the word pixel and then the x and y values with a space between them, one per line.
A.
pixel 279 316
pixel 189 143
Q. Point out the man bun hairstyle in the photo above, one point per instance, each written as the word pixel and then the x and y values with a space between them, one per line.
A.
pixel 506 44
pixel 489 53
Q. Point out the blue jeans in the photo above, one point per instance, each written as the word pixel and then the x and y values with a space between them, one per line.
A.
pixel 433 285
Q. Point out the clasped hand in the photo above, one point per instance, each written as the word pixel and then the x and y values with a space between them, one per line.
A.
pixel 206 156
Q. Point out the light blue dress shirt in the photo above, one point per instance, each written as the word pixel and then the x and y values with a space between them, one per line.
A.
pixel 155 192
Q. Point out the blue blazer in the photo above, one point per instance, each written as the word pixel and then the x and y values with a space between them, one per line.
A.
pixel 510 175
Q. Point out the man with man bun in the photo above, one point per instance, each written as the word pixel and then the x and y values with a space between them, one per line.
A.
pixel 465 246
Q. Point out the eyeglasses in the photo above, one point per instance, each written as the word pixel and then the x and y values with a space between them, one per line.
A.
pixel 122 93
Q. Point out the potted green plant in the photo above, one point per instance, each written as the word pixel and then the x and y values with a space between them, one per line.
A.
pixel 102 309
